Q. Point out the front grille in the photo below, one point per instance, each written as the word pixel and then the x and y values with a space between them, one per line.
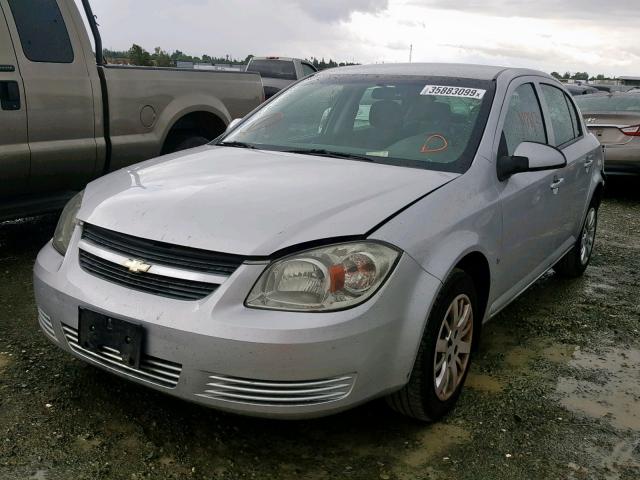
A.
pixel 277 393
pixel 171 287
pixel 153 251
pixel 153 370
pixel 45 323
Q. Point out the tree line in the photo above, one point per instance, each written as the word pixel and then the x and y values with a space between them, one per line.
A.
pixel 579 76
pixel 137 55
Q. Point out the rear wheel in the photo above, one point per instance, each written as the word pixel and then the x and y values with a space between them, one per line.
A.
pixel 444 354
pixel 576 261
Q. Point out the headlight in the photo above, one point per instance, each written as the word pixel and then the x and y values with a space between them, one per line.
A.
pixel 66 224
pixel 323 279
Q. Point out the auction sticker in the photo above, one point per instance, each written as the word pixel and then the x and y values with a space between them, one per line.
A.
pixel 462 92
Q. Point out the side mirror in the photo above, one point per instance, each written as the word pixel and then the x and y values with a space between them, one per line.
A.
pixel 530 157
pixel 232 124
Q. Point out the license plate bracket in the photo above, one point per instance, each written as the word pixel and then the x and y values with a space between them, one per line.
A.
pixel 96 331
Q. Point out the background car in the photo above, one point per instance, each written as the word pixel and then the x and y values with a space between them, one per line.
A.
pixel 580 89
pixel 615 120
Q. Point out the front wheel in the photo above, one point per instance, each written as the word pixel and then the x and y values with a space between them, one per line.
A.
pixel 444 355
pixel 576 261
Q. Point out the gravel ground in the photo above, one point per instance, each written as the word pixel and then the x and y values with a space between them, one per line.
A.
pixel 554 393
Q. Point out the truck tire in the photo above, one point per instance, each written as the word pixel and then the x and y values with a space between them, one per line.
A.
pixel 576 261
pixel 447 340
pixel 192 141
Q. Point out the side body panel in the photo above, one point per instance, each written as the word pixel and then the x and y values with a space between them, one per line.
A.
pixel 14 142
pixel 60 111
pixel 144 103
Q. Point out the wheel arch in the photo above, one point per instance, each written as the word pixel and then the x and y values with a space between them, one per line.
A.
pixel 205 123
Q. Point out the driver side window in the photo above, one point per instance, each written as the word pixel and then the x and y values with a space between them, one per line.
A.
pixel 523 122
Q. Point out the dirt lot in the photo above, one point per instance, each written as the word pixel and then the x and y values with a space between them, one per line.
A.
pixel 554 393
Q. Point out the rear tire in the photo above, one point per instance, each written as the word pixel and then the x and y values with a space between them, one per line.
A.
pixel 576 261
pixel 444 355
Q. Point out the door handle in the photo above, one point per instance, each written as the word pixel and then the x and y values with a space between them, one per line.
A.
pixel 9 95
pixel 7 68
pixel 588 162
pixel 555 185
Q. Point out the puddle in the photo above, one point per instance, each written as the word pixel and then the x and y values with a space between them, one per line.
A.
pixel 613 391
pixel 435 441
pixel 483 383
pixel 5 360
pixel 621 460
pixel 558 352
pixel 519 357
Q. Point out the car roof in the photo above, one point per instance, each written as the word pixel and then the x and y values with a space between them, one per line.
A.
pixel 456 70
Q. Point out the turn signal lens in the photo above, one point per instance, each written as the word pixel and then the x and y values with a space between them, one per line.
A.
pixel 324 279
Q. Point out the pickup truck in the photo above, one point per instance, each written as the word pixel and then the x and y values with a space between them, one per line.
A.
pixel 279 72
pixel 66 117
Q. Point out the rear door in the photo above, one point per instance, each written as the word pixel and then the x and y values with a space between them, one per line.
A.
pixel 14 147
pixel 566 133
pixel 60 115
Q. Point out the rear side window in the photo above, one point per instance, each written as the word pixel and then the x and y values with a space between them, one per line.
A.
pixel 283 69
pixel 561 114
pixel 523 122
pixel 43 33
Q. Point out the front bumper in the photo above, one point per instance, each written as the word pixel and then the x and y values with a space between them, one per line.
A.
pixel 218 353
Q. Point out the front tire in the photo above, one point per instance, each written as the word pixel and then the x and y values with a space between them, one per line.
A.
pixel 444 355
pixel 576 261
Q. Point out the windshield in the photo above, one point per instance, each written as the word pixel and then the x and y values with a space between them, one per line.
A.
pixel 433 123
pixel 609 103
pixel 273 68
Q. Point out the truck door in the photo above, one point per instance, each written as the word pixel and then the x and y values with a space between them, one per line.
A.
pixel 14 146
pixel 60 115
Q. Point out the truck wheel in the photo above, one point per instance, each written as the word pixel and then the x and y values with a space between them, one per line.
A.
pixel 190 142
pixel 576 261
pixel 444 355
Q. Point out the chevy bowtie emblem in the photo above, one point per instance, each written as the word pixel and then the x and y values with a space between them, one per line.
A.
pixel 137 266
pixel 591 120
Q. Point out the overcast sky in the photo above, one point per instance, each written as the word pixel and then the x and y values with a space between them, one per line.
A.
pixel 597 36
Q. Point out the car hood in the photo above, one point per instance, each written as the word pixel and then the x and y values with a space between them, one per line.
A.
pixel 252 202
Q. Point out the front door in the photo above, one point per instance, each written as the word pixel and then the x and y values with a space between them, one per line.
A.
pixel 59 94
pixel 14 146
pixel 530 206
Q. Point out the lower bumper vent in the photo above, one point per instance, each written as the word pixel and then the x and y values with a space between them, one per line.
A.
pixel 46 325
pixel 277 393
pixel 153 370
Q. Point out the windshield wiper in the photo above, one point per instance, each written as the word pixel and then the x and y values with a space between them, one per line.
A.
pixel 236 144
pixel 330 153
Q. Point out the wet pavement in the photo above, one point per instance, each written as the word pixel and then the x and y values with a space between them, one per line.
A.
pixel 554 393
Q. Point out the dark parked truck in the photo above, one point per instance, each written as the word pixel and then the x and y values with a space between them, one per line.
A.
pixel 279 72
pixel 66 117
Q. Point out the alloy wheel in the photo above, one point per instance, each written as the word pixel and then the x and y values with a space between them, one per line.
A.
pixel 588 236
pixel 453 347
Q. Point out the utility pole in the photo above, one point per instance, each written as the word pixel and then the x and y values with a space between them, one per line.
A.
pixel 410 52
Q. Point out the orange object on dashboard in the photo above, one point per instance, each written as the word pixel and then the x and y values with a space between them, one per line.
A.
pixel 429 147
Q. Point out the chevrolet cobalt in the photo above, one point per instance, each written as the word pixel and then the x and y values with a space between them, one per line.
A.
pixel 345 241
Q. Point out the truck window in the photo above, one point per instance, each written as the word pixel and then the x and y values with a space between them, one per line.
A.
pixel 43 33
pixel 307 69
pixel 283 69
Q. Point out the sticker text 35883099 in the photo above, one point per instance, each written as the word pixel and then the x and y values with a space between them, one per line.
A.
pixel 445 91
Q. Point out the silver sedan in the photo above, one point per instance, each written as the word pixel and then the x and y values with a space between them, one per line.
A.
pixel 346 241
